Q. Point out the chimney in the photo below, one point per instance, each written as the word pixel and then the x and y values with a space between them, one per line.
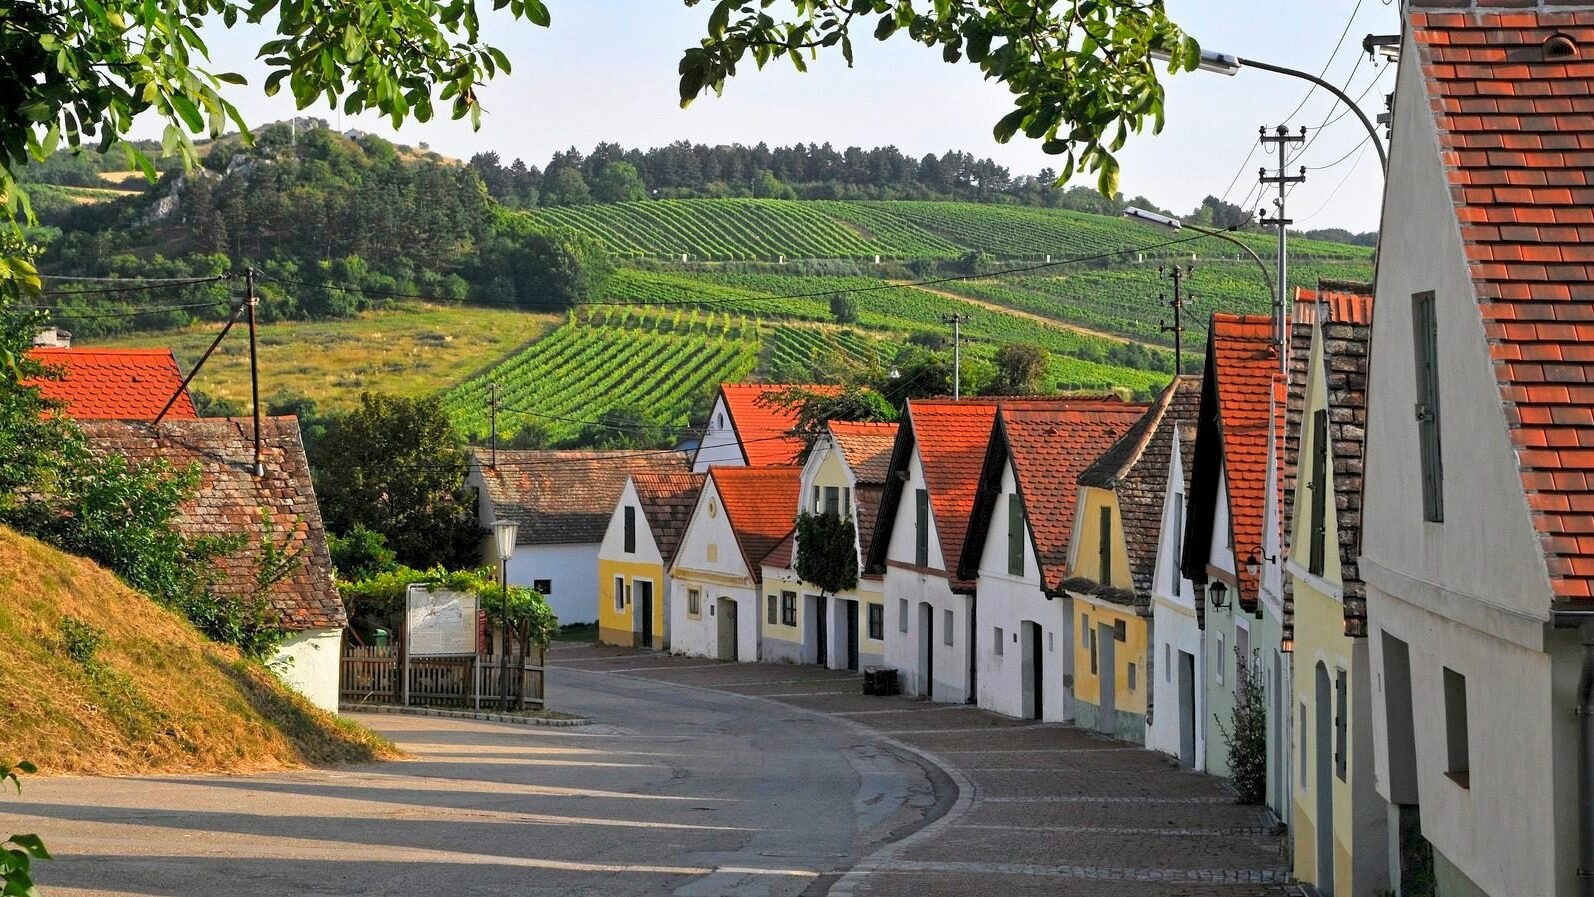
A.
pixel 52 338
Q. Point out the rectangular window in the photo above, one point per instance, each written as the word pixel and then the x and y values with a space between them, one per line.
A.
pixel 1178 543
pixel 619 593
pixel 694 602
pixel 1303 752
pixel 544 586
pixel 788 608
pixel 1242 654
pixel 1092 640
pixel 1104 548
pixel 1425 342
pixel 921 528
pixel 996 642
pixel 1132 675
pixel 630 530
pixel 1167 661
pixel 1458 765
pixel 1120 631
pixel 770 614
pixel 877 621
pixel 833 501
pixel 902 615
pixel 1084 631
pixel 814 505
pixel 1217 668
pixel 1340 724
pixel 946 625
pixel 846 501
pixel 1319 487
pixel 1015 536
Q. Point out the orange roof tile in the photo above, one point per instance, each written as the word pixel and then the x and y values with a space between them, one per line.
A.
pixel 114 384
pixel 1347 303
pixel 1516 135
pixel 951 437
pixel 764 429
pixel 760 503
pixel 1050 442
pixel 866 446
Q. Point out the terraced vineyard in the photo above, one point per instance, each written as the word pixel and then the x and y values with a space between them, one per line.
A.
pixel 767 229
pixel 608 359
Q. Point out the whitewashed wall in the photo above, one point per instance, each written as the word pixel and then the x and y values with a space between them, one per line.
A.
pixel 309 663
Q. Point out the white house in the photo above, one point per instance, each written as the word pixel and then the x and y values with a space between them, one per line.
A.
pixel 562 501
pixel 1017 548
pixel 918 542
pixel 644 532
pixel 741 515
pixel 746 429
pixel 1478 523
pixel 1178 702
pixel 844 474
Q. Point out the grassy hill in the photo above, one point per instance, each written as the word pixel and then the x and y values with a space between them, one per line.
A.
pixel 156 696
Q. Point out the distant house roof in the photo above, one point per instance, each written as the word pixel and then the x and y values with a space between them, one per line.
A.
pixel 760 504
pixel 230 499
pixel 564 497
pixel 114 384
pixel 764 429
pixel 1136 468
pixel 951 437
pixel 1510 93
pixel 1049 442
pixel 667 500
pixel 1239 410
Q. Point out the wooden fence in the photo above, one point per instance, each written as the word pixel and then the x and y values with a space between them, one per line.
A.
pixel 375 676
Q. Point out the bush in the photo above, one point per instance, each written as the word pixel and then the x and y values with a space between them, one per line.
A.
pixel 1246 735
pixel 79 640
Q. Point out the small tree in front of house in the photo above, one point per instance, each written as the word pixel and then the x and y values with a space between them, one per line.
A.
pixel 1246 734
pixel 827 553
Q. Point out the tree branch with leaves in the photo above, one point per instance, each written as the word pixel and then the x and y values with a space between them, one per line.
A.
pixel 1080 71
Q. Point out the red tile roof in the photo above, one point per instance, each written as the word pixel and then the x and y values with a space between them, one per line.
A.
pixel 1347 303
pixel 230 499
pixel 760 503
pixel 1051 442
pixel 764 429
pixel 1516 135
pixel 114 384
pixel 866 446
pixel 951 437
pixel 667 500
pixel 1245 364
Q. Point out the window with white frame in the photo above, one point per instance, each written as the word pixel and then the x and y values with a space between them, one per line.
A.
pixel 694 602
pixel 788 608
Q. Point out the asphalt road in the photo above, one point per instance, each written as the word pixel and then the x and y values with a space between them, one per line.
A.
pixel 677 791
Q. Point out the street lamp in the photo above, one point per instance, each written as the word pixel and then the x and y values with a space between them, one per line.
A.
pixel 504 532
pixel 1140 214
pixel 1229 64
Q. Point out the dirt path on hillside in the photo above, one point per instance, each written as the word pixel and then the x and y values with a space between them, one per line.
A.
pixel 1031 316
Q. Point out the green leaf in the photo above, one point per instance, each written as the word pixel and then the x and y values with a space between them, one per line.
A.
pixel 1008 126
pixel 189 113
pixel 231 78
pixel 32 844
pixel 537 13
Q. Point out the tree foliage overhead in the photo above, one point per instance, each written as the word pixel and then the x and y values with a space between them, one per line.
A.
pixel 83 72
pixel 1080 71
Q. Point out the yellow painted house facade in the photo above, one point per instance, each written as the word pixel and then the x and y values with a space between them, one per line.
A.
pixel 633 560
pixel 1110 639
pixel 1339 823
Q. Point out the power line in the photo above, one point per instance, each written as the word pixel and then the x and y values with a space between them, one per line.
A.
pixel 100 291
pixel 1331 57
pixel 67 312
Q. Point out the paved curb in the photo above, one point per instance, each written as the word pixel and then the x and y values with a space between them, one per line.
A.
pixel 465 714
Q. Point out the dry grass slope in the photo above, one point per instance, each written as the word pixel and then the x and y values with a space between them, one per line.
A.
pixel 159 696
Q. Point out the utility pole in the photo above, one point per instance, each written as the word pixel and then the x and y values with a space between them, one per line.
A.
pixel 956 320
pixel 250 301
pixel 1178 275
pixel 1283 140
pixel 492 413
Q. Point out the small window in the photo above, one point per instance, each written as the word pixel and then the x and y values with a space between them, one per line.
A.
pixel 877 621
pixel 1091 638
pixel 1177 543
pixel 921 528
pixel 619 593
pixel 1339 724
pixel 902 615
pixel 788 608
pixel 694 602
pixel 1458 764
pixel 1051 641
pixel 630 529
pixel 1425 340
pixel 1218 666
pixel 1242 654
pixel 713 553
pixel 1303 752
pixel 1132 674
pixel 833 501
pixel 846 501
pixel 771 612
pixel 946 625
pixel 719 421
pixel 545 586
pixel 996 642
pixel 1084 630
pixel 1120 631
pixel 1104 548
pixel 1317 527
pixel 1015 536
pixel 814 500
pixel 1167 661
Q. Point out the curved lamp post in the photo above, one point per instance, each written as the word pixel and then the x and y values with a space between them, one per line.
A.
pixel 504 532
pixel 1140 214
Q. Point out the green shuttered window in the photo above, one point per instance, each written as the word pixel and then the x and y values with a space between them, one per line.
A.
pixel 1320 455
pixel 921 528
pixel 1015 535
pixel 1425 339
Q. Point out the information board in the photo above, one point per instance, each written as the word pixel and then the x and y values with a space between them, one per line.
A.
pixel 441 622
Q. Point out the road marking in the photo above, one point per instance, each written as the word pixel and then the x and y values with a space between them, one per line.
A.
pixel 1104 873
pixel 1104 750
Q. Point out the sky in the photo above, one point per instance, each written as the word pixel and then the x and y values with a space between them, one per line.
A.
pixel 605 71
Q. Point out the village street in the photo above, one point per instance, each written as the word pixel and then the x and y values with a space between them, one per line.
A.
pixel 682 786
